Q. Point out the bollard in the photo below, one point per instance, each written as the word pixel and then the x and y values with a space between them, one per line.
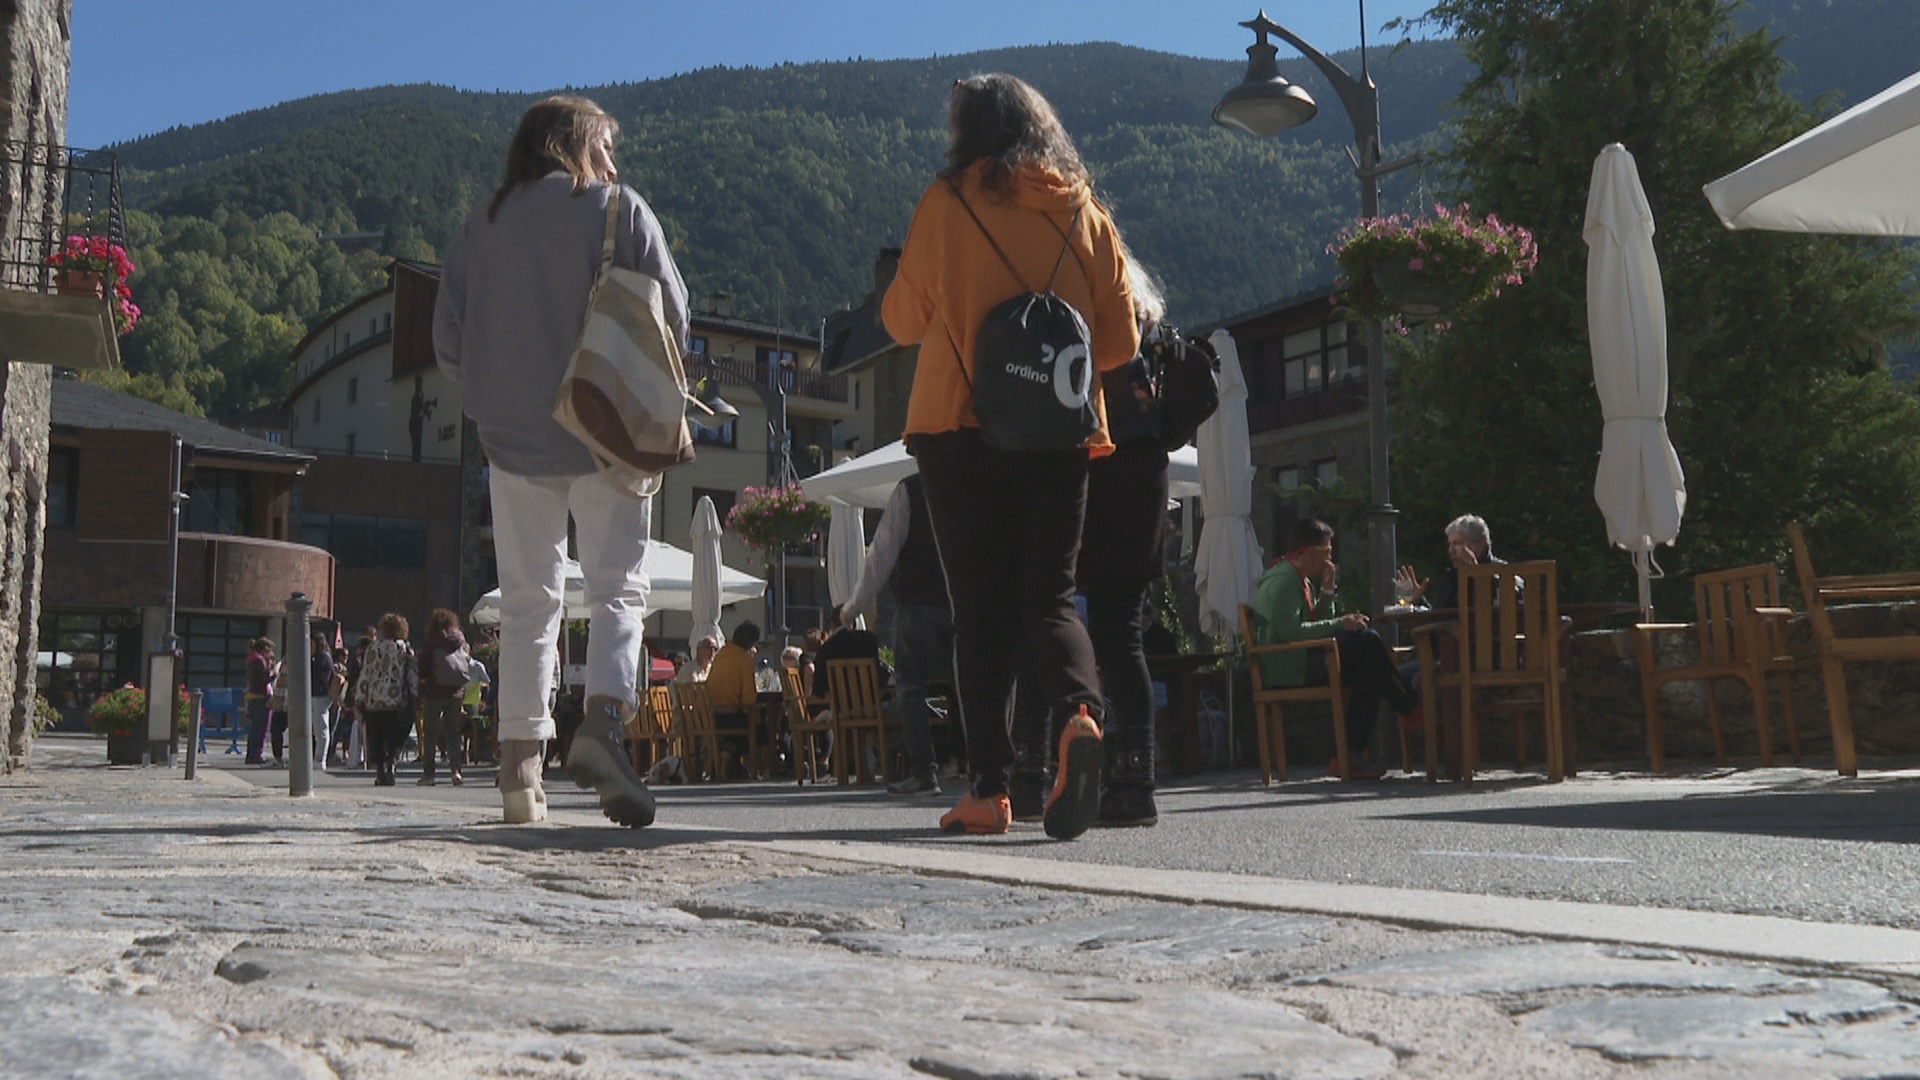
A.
pixel 297 671
pixel 193 733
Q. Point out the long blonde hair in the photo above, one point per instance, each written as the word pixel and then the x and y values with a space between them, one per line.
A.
pixel 555 133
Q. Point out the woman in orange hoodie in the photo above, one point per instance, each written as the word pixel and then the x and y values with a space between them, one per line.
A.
pixel 1008 523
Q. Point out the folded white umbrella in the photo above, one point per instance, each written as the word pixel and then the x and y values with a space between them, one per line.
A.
pixel 1228 561
pixel 846 549
pixel 1640 486
pixel 669 570
pixel 704 601
pixel 1853 174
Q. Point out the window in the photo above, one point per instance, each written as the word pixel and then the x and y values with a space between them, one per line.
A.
pixel 697 345
pixel 373 326
pixel 219 501
pixel 346 340
pixel 82 655
pixel 714 431
pixel 1287 478
pixel 386 321
pixel 722 501
pixel 216 649
pixel 1326 471
pixel 275 438
pixel 349 444
pixel 353 389
pixel 316 408
pixel 63 481
pixel 367 541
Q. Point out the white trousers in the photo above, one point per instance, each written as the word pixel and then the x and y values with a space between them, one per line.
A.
pixel 321 735
pixel 530 546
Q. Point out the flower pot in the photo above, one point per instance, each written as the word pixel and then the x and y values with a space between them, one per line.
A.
pixel 1420 297
pixel 81 283
pixel 125 749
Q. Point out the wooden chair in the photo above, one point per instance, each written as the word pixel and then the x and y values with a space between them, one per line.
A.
pixel 801 726
pixel 1837 652
pixel 658 728
pixel 693 718
pixel 1268 702
pixel 1741 628
pixel 853 693
pixel 1507 635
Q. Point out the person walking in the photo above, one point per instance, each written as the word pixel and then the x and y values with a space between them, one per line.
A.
pixel 320 718
pixel 513 297
pixel 388 688
pixel 445 667
pixel 259 698
pixel 1013 206
pixel 905 564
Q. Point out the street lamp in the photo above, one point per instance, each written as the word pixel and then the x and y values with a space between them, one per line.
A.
pixel 780 469
pixel 1266 104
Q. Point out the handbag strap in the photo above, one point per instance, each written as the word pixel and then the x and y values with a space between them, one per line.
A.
pixel 613 222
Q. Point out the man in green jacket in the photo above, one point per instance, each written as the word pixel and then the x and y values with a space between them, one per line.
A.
pixel 1292 603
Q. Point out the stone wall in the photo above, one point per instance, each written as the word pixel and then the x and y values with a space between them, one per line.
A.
pixel 34 42
pixel 1884 697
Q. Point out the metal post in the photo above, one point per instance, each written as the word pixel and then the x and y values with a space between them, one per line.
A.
pixel 193 733
pixel 297 671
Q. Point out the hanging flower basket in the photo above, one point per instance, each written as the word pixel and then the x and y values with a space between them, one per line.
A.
pixel 1417 270
pixel 768 519
pixel 95 266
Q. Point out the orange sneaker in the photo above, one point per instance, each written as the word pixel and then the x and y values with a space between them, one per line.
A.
pixel 1075 801
pixel 974 814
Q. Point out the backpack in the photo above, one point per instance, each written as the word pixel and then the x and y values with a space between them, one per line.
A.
pixel 1165 393
pixel 1032 380
pixel 452 669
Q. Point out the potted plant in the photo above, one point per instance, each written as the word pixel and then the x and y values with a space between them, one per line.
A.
pixel 1415 270
pixel 95 266
pixel 121 716
pixel 769 518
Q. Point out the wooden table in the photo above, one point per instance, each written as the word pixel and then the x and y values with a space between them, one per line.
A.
pixel 1572 617
pixel 1183 670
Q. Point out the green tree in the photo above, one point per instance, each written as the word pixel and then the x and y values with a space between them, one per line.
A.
pixel 1780 405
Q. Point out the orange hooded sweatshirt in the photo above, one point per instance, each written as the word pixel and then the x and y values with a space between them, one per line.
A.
pixel 949 278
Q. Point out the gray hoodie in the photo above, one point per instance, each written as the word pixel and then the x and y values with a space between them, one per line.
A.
pixel 513 295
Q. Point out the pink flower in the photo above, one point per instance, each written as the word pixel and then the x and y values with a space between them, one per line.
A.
pixel 1416 264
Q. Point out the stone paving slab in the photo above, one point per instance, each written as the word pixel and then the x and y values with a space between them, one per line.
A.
pixel 150 928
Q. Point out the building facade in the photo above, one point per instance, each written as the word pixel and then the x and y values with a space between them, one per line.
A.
pixel 106 585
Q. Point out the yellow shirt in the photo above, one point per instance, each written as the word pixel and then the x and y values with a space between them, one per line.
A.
pixel 730 685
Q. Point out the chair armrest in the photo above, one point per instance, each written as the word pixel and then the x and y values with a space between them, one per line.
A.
pixel 1661 627
pixel 1774 612
pixel 1867 592
pixel 1292 646
pixel 1868 581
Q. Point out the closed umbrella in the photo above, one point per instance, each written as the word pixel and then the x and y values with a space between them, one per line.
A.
pixel 1852 174
pixel 846 550
pixel 705 604
pixel 669 572
pixel 1228 563
pixel 1640 487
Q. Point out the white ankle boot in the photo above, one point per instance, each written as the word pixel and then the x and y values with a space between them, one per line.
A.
pixel 522 799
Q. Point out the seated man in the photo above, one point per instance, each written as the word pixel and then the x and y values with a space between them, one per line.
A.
pixel 1291 604
pixel 731 687
pixel 1469 543
pixel 695 669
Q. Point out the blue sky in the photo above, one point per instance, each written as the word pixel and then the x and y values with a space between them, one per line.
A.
pixel 141 66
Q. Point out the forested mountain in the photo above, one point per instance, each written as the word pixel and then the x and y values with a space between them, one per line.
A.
pixel 775 184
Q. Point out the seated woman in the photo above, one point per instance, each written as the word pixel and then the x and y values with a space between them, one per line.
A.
pixel 1291 604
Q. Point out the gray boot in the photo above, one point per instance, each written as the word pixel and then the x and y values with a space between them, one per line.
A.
pixel 598 760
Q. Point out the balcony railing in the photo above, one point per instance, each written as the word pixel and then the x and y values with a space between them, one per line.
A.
pixel 807 384
pixel 1338 399
pixel 48 194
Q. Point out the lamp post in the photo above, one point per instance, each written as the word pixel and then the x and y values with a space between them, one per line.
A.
pixel 779 456
pixel 1265 104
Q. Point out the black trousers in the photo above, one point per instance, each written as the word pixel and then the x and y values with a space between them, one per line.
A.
pixel 1008 530
pixel 1367 669
pixel 1117 621
pixel 386 734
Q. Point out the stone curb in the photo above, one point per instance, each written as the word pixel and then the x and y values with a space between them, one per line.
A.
pixel 1859 948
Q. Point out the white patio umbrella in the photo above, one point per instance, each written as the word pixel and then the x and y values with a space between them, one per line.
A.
pixel 1640 487
pixel 1852 174
pixel 868 480
pixel 669 573
pixel 846 549
pixel 704 603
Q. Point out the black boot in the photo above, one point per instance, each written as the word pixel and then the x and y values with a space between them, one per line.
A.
pixel 1127 798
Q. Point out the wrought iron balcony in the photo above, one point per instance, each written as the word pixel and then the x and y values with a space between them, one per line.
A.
pixel 49 193
pixel 759 373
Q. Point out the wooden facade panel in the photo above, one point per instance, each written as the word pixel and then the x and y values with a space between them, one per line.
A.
pixel 125 478
pixel 414 294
